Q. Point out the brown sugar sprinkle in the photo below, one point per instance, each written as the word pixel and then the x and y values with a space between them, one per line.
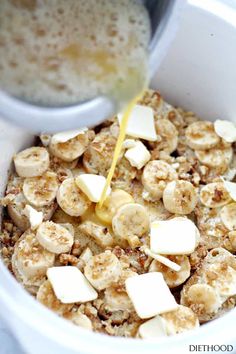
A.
pixel 132 261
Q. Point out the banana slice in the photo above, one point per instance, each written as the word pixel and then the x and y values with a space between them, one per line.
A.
pixel 70 149
pixel 201 135
pixel 45 139
pixel 98 156
pixel 180 197
pixel 79 319
pixel 54 238
pixel 173 278
pixel 180 320
pixel 69 227
pixel 30 259
pixel 204 295
pixel 99 233
pixel 219 156
pixel 31 162
pixel 116 300
pixel 214 195
pixel 63 173
pixel 124 175
pixel 18 202
pixel 155 177
pixel 169 135
pixel 226 130
pixel 103 270
pixel 47 297
pixel 116 199
pixel 131 220
pixel 42 190
pixel 71 199
pixel 16 212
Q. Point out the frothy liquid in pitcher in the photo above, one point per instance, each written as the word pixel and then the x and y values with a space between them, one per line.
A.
pixel 60 52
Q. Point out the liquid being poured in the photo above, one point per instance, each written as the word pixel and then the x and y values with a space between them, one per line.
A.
pixel 61 52
pixel 118 147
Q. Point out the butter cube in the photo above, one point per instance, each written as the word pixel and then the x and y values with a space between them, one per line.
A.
pixel 150 294
pixel 141 123
pixel 70 285
pixel 92 186
pixel 138 155
pixel 176 236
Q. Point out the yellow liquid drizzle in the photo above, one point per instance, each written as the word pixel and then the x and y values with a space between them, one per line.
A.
pixel 118 147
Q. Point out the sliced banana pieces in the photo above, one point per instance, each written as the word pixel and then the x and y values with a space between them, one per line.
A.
pixel 228 216
pixel 79 319
pixel 155 177
pixel 16 211
pixel 131 220
pixel 218 157
pixel 54 237
pixel 47 297
pixel 214 195
pixel 117 300
pixel 116 199
pixel 99 233
pixel 42 190
pixel 206 292
pixel 71 149
pixel 204 295
pixel 98 156
pixel 168 135
pixel 31 162
pixel 173 278
pixel 30 259
pixel 180 197
pixel 71 199
pixel 103 270
pixel 201 135
pixel 180 320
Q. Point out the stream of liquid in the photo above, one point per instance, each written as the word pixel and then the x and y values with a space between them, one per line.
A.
pixel 118 146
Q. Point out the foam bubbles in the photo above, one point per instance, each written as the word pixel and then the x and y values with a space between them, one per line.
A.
pixel 60 52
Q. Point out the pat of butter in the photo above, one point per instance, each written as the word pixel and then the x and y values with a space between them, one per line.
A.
pixel 176 236
pixel 225 288
pixel 231 189
pixel 92 185
pixel 150 294
pixel 167 262
pixel 154 328
pixel 138 155
pixel 35 217
pixel 141 123
pixel 63 137
pixel 226 130
pixel 70 285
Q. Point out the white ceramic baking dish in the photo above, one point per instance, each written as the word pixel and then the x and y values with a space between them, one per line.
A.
pixel 199 74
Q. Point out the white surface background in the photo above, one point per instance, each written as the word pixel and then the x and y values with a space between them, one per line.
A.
pixel 8 344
